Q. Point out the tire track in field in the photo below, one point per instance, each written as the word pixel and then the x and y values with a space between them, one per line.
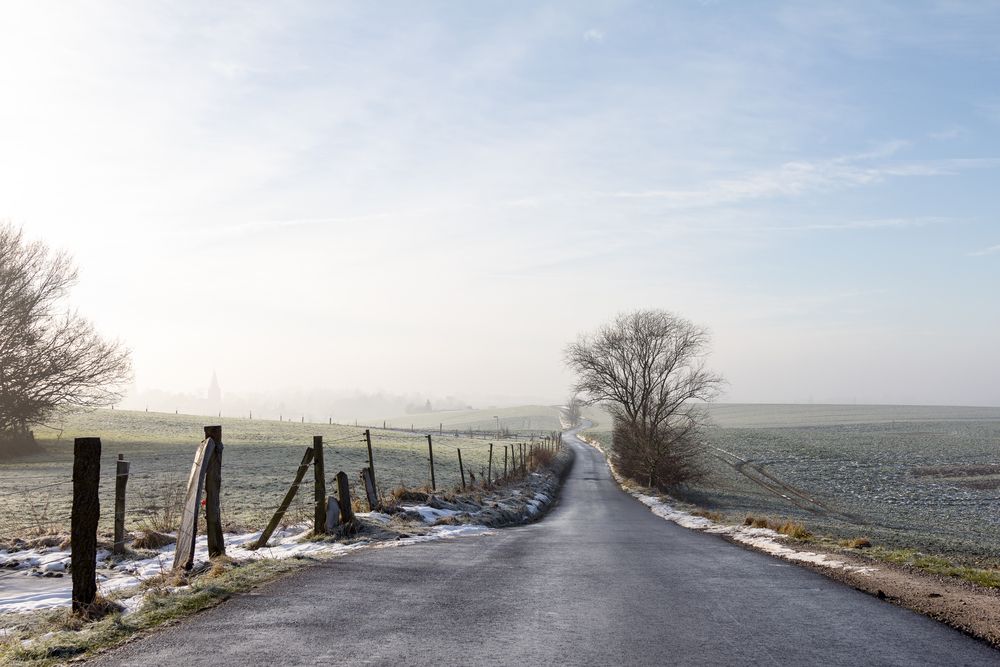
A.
pixel 755 472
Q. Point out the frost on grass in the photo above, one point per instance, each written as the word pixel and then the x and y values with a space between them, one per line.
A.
pixel 24 590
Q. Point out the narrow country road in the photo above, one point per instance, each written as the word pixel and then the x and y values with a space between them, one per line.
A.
pixel 600 581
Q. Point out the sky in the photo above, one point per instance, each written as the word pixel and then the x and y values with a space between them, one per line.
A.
pixel 435 198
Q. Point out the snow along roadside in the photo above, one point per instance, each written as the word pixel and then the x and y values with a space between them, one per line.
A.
pixel 25 590
pixel 761 539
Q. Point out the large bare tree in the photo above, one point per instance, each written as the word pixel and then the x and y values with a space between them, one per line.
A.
pixel 647 369
pixel 50 357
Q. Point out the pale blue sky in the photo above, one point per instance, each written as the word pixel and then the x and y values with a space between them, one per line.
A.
pixel 436 197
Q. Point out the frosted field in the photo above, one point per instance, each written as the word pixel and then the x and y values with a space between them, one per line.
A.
pixel 259 463
pixel 920 477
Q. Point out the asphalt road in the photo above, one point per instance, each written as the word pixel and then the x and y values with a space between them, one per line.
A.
pixel 600 581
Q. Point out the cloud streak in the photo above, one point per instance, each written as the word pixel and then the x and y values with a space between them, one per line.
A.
pixel 794 179
pixel 990 250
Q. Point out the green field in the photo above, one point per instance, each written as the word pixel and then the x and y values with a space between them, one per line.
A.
pixel 918 477
pixel 259 462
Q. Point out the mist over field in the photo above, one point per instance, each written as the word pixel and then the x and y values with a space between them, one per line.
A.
pixel 429 200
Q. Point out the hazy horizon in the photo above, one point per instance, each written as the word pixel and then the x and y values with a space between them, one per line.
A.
pixel 432 200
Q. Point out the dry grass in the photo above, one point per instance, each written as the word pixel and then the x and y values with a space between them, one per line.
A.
pixel 856 543
pixel 710 515
pixel 151 539
pixel 792 529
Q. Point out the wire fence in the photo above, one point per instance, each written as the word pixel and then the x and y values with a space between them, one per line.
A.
pixel 36 496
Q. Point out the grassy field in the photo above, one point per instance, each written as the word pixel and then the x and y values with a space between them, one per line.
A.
pixel 918 477
pixel 259 462
pixel 537 418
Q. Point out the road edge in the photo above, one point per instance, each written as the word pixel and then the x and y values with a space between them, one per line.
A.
pixel 971 610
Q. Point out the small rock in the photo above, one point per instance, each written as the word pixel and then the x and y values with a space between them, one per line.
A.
pixel 880 594
pixel 933 595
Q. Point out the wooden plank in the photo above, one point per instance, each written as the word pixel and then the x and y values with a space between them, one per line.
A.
pixel 461 468
pixel 213 494
pixel 289 496
pixel 332 514
pixel 83 521
pixel 121 479
pixel 184 555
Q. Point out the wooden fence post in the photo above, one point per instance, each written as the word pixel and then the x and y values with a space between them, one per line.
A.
pixel 344 499
pixel 489 473
pixel 369 482
pixel 289 496
pixel 461 468
pixel 121 479
pixel 505 461
pixel 83 521
pixel 371 459
pixel 430 450
pixel 319 512
pixel 213 491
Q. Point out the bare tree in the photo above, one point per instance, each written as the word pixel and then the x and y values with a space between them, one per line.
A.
pixel 49 357
pixel 647 369
pixel 573 410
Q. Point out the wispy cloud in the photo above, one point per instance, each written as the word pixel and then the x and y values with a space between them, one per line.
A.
pixel 594 35
pixel 991 250
pixel 796 178
pixel 882 223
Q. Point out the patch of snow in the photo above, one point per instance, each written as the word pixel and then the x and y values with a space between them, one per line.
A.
pixel 289 542
pixel 377 517
pixel 427 513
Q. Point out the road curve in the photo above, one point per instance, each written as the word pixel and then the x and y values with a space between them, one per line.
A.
pixel 600 581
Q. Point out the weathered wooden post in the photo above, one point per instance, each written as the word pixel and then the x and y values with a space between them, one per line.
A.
pixel 289 496
pixel 461 468
pixel 213 492
pixel 184 554
pixel 83 521
pixel 121 479
pixel 430 451
pixel 505 461
pixel 489 469
pixel 369 483
pixel 344 499
pixel 371 458
pixel 319 512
